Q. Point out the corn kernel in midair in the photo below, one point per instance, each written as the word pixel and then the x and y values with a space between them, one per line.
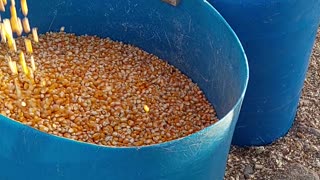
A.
pixel 33 64
pixel 23 63
pixel 13 67
pixel 28 45
pixel 16 83
pixel 3 33
pixel 14 24
pixel 24 7
pixel 13 2
pixel 26 25
pixel 7 27
pixel 146 108
pixel 14 19
pixel 13 11
pixel 62 29
pixel 19 27
pixel 31 73
pixel 12 44
pixel 35 34
pixel 2 8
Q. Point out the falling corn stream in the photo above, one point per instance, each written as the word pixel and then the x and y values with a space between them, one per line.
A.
pixel 14 25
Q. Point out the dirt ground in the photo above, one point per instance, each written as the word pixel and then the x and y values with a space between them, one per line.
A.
pixel 297 155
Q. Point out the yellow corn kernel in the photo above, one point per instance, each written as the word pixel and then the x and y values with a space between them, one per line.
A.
pixel 23 104
pixel 19 27
pixel 4 2
pixel 146 108
pixel 12 65
pixel 43 82
pixel 31 74
pixel 12 44
pixel 16 83
pixel 7 27
pixel 24 7
pixel 35 34
pixel 3 33
pixel 2 8
pixel 14 24
pixel 23 63
pixel 13 11
pixel 33 64
pixel 28 45
pixel 26 25
pixel 13 2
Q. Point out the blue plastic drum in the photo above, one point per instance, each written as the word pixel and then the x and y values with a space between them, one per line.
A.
pixel 277 36
pixel 191 36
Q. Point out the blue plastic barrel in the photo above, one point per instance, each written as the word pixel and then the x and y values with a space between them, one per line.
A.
pixel 277 36
pixel 181 35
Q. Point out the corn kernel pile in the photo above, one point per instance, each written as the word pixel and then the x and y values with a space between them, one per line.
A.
pixel 95 90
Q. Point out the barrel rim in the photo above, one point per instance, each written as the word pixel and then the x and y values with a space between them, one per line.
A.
pixel 210 9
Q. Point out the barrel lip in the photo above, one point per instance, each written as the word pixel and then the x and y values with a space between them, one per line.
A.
pixel 210 9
